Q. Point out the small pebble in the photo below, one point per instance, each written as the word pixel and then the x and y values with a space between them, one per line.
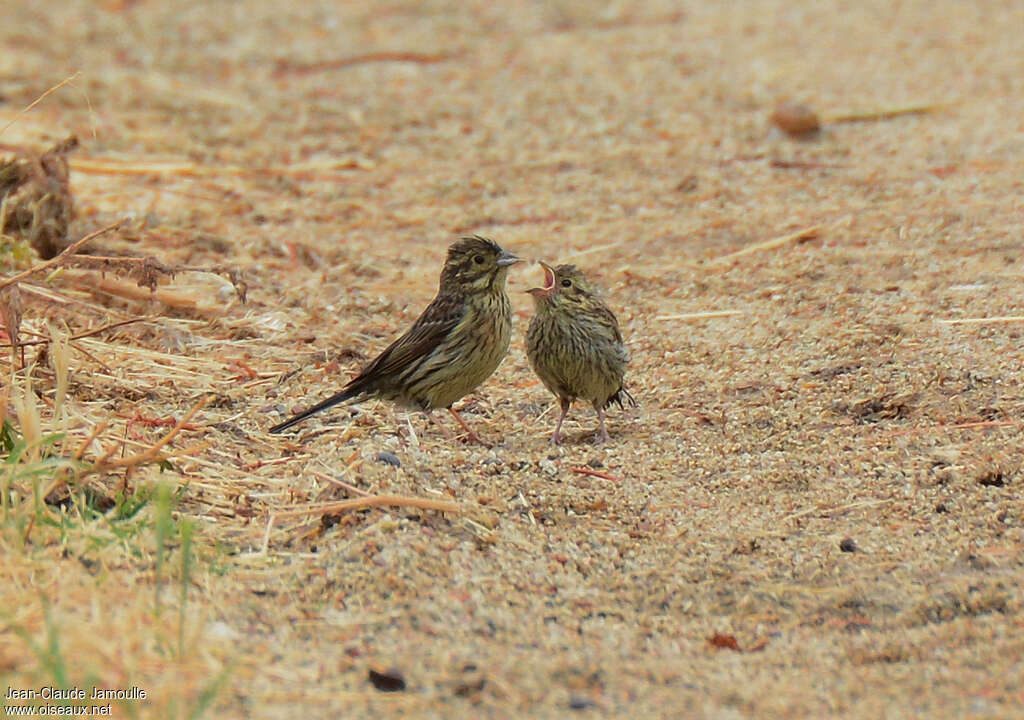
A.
pixel 578 702
pixel 847 545
pixel 390 680
pixel 796 120
pixel 548 467
pixel 388 458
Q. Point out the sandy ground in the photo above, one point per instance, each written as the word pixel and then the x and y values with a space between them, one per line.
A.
pixel 827 476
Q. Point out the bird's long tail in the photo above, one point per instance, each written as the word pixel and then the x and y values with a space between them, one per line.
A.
pixel 347 394
pixel 622 397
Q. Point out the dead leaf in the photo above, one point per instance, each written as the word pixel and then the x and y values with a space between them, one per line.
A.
pixel 724 642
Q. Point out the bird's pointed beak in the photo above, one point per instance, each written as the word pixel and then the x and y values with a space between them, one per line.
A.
pixel 549 282
pixel 506 258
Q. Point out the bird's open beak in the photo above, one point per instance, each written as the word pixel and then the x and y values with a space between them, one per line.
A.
pixel 506 258
pixel 549 282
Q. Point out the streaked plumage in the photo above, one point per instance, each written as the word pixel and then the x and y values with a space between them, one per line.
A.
pixel 452 347
pixel 575 346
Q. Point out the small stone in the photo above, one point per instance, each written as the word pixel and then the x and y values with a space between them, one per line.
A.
pixel 796 120
pixel 388 458
pixel 847 545
pixel 578 702
pixel 390 680
pixel 548 468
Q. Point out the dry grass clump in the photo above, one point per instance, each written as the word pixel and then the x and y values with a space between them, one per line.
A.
pixel 36 204
pixel 82 476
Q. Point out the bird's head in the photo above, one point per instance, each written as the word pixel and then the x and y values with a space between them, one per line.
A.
pixel 476 264
pixel 565 289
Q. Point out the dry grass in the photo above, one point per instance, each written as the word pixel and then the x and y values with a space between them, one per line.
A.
pixel 823 479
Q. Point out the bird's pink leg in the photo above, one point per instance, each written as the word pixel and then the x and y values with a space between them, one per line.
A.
pixel 603 437
pixel 446 431
pixel 469 433
pixel 556 437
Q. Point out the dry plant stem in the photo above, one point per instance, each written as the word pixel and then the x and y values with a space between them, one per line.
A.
pixel 359 503
pixel 131 291
pixel 96 167
pixel 186 451
pixel 277 461
pixel 999 319
pixel 805 234
pixel 594 473
pixel 152 452
pixel 88 441
pixel 413 439
pixel 700 315
pixel 800 165
pixel 88 333
pixel 350 487
pixel 886 113
pixel 285 67
pixel 58 259
pixel 38 100
pixel 342 484
pixel 63 300
pixel 151 265
pixel 372 501
pixel 78 348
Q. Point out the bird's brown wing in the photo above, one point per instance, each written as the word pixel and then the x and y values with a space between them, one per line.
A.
pixel 429 330
pixel 608 319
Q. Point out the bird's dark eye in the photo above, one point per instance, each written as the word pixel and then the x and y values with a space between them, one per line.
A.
pixel 567 283
pixel 478 259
